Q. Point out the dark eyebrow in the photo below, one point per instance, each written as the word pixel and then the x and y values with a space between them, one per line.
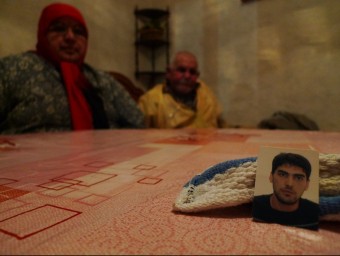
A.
pixel 56 23
pixel 299 175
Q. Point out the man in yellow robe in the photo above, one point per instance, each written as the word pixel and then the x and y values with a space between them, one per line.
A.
pixel 183 101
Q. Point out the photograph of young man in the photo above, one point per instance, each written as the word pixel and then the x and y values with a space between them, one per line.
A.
pixel 290 178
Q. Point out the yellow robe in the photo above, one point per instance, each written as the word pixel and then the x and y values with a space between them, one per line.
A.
pixel 162 111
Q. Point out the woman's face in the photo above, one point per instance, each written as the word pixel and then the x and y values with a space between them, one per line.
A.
pixel 67 39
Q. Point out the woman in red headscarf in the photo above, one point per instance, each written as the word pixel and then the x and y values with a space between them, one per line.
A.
pixel 53 89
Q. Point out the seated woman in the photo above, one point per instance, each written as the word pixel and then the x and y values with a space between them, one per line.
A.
pixel 52 89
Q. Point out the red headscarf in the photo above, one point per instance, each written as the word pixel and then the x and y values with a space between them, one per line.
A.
pixel 73 77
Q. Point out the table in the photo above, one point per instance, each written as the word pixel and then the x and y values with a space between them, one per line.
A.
pixel 112 191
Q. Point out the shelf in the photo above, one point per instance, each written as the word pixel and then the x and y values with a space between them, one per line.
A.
pixel 151 43
pixel 151 36
pixel 151 13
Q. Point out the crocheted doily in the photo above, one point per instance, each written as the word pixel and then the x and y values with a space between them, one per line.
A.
pixel 232 183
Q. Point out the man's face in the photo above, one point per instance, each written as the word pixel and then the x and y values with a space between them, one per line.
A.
pixel 289 183
pixel 183 75
pixel 67 39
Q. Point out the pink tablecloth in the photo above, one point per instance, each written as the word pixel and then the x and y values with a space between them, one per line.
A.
pixel 111 192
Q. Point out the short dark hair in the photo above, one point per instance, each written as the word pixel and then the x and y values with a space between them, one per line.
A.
pixel 292 159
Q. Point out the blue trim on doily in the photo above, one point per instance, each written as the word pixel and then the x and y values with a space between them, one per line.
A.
pixel 327 204
pixel 222 167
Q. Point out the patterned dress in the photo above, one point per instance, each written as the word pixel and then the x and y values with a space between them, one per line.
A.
pixel 33 97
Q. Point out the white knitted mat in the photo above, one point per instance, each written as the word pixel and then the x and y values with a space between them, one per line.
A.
pixel 218 188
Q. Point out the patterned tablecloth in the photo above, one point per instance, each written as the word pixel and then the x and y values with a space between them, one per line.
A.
pixel 111 192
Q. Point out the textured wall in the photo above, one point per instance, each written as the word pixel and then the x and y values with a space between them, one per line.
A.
pixel 267 55
pixel 259 57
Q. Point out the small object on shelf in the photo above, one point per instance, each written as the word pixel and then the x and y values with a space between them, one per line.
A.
pixel 151 34
pixel 154 22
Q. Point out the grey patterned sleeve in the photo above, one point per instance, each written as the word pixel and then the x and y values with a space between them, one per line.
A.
pixel 130 116
pixel 3 91
pixel 121 109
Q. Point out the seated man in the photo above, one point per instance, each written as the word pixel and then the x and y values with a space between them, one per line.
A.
pixel 182 101
pixel 52 89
